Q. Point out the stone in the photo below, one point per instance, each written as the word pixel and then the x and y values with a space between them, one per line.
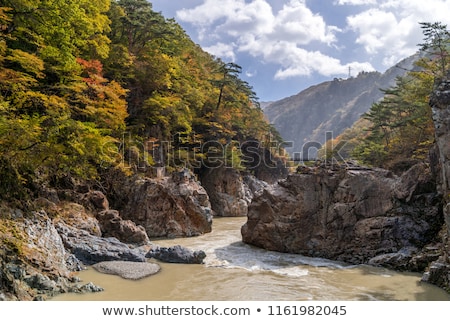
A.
pixel 44 267
pixel 230 192
pixel 91 249
pixel 226 191
pixel 112 225
pixel 44 245
pixel 76 216
pixel 176 254
pixel 438 274
pixel 97 199
pixel 87 288
pixel 127 270
pixel 400 260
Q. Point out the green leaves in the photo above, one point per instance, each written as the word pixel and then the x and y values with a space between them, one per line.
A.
pixel 78 76
pixel 59 31
pixel 436 44
pixel 401 124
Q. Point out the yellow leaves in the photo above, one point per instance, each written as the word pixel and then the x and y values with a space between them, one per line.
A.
pixel 108 108
pixel 18 134
pixel 28 63
pixel 166 110
pixel 4 17
pixel 97 100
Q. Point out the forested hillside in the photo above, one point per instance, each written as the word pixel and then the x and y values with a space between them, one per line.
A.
pixel 398 130
pixel 328 108
pixel 89 86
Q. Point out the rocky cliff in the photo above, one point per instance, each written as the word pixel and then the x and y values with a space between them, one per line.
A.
pixel 439 271
pixel 68 229
pixel 230 191
pixel 356 215
pixel 42 248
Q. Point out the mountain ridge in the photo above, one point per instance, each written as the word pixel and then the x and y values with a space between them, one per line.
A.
pixel 325 110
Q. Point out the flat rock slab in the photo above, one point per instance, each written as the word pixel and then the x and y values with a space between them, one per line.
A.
pixel 126 269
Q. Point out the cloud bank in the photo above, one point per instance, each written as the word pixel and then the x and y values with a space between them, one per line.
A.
pixel 302 42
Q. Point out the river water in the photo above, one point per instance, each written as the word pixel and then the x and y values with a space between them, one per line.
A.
pixel 235 271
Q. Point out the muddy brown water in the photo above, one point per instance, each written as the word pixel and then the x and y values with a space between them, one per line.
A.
pixel 235 271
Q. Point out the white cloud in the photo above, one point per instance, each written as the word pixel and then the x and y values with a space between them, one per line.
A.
pixel 355 2
pixel 222 50
pixel 391 29
pixel 297 23
pixel 304 63
pixel 280 38
pixel 297 39
pixel 251 73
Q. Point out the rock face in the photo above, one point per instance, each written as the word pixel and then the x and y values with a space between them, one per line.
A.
pixel 227 191
pixel 230 191
pixel 351 215
pixel 112 225
pixel 176 206
pixel 439 272
pixel 41 266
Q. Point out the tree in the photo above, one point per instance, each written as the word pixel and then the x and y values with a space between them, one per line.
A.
pixel 436 44
pixel 59 31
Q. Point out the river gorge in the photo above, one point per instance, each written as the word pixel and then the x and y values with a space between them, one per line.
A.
pixel 233 270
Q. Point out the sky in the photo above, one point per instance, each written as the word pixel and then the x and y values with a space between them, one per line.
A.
pixel 286 46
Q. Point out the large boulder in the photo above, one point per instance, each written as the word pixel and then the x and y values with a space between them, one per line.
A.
pixel 176 254
pixel 112 225
pixel 91 249
pixel 176 206
pixel 351 215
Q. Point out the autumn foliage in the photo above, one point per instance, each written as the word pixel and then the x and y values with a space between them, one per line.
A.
pixel 86 84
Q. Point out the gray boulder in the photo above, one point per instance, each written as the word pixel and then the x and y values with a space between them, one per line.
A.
pixel 91 249
pixel 176 254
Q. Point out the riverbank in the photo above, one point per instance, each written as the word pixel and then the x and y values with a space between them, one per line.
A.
pixel 237 271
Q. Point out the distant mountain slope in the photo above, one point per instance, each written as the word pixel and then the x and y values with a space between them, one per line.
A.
pixel 312 116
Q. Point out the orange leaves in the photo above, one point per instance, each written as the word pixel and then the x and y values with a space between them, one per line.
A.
pixel 101 101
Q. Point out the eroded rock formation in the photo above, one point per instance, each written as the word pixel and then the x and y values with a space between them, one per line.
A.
pixel 40 266
pixel 176 206
pixel 439 271
pixel 227 191
pixel 351 215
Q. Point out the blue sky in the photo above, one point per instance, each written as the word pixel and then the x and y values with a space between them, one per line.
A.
pixel 285 46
